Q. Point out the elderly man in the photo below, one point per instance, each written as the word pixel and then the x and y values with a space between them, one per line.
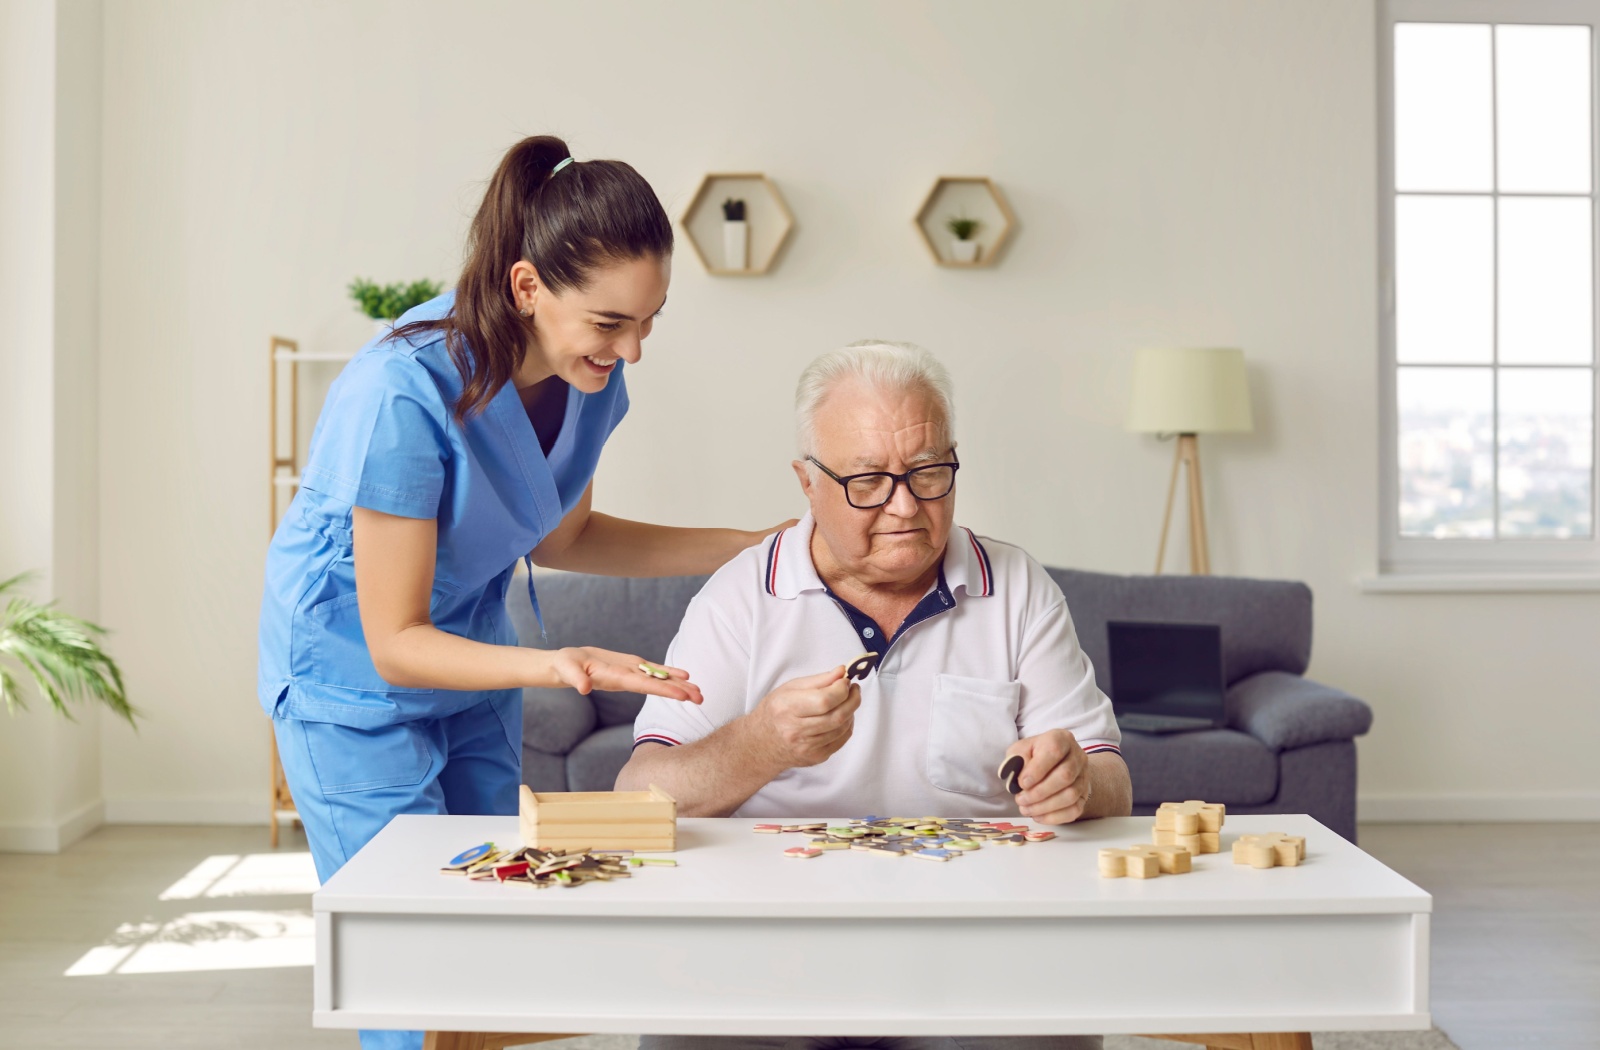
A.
pixel 978 659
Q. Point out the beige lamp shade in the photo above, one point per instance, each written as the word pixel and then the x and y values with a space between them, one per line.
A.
pixel 1189 391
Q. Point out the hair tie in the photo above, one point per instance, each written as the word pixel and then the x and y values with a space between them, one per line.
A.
pixel 561 165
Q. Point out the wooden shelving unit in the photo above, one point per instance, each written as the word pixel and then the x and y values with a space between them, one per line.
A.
pixel 286 359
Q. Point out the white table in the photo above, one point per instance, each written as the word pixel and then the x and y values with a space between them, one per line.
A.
pixel 741 940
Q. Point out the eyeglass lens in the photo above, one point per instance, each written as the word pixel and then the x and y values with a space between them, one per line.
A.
pixel 875 490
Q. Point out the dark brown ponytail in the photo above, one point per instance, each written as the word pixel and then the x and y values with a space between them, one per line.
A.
pixel 587 215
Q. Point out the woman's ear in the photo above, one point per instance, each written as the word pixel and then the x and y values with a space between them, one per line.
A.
pixel 525 287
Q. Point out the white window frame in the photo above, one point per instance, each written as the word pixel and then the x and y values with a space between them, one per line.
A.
pixel 1409 555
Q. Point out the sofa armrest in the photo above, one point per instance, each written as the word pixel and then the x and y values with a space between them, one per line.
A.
pixel 554 721
pixel 1286 711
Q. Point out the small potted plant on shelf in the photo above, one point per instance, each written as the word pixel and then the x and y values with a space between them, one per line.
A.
pixel 735 235
pixel 384 303
pixel 60 652
pixel 963 249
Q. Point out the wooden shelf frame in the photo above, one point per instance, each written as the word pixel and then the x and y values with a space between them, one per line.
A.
pixel 989 250
pixel 704 197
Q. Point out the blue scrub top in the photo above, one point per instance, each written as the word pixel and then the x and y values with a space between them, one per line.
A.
pixel 387 440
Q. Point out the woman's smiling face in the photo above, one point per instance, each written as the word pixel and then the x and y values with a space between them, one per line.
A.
pixel 579 334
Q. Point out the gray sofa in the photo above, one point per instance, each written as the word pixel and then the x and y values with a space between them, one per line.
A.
pixel 1289 746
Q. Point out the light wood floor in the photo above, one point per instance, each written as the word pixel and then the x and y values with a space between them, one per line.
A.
pixel 1516 941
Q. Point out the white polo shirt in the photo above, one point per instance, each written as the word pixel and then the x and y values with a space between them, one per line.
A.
pixel 988 657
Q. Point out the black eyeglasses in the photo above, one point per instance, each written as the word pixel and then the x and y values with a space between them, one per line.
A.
pixel 870 491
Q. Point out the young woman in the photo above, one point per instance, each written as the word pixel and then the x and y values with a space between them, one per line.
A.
pixel 444 454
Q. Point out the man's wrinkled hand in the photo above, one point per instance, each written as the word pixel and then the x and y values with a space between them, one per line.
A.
pixel 806 720
pixel 1054 778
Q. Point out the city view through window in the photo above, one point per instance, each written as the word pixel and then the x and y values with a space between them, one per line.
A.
pixel 1494 281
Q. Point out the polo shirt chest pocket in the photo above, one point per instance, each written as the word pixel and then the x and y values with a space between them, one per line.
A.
pixel 972 722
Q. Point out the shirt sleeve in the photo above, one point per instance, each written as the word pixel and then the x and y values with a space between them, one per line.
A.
pixel 717 657
pixel 381 440
pixel 1058 684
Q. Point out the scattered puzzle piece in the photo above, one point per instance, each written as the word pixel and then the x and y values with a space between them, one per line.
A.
pixel 1271 850
pixel 653 671
pixel 802 852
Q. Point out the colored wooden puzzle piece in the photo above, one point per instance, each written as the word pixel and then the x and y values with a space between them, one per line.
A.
pixel 861 666
pixel 1271 850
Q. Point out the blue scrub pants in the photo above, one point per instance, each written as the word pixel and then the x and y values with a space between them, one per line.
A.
pixel 348 783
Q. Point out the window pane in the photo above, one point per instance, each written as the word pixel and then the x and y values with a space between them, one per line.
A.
pixel 1442 105
pixel 1546 452
pixel 1546 312
pixel 1444 279
pixel 1446 449
pixel 1542 94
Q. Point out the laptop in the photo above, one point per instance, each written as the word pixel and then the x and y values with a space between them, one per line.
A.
pixel 1166 677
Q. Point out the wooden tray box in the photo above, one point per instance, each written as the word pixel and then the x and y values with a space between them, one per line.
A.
pixel 642 821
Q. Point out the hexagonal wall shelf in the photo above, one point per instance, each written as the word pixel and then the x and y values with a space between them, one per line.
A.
pixel 965 197
pixel 766 225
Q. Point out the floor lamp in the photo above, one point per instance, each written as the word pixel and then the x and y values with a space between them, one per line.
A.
pixel 1186 393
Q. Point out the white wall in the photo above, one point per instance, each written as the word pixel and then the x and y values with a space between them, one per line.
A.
pixel 1185 173
pixel 50 791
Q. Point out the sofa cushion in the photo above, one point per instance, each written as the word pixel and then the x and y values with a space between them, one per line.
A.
pixel 1285 711
pixel 1216 765
pixel 1266 624
pixel 554 720
pixel 595 763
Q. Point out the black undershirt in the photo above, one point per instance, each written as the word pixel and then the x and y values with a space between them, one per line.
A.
pixel 546 405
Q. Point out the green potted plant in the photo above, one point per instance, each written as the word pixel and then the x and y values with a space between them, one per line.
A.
pixel 60 652
pixel 735 235
pixel 384 303
pixel 963 249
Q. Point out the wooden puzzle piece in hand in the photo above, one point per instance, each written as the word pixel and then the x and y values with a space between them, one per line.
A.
pixel 1194 825
pixel 1144 862
pixel 1273 849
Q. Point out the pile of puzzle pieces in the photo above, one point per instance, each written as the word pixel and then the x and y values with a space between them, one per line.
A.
pixel 927 838
pixel 1185 829
pixel 545 868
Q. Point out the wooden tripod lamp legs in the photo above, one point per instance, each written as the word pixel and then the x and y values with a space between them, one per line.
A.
pixel 1187 455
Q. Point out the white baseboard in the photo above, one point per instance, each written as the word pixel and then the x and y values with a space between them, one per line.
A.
pixel 1561 807
pixel 52 838
pixel 252 810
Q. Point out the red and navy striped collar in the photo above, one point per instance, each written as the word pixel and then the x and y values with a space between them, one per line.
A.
pixel 789 570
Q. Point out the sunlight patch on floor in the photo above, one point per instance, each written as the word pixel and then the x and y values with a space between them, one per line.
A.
pixel 247 875
pixel 211 940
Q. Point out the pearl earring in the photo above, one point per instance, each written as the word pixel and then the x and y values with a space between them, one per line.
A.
pixel 524 311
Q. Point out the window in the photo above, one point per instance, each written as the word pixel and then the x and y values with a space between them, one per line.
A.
pixel 1489 300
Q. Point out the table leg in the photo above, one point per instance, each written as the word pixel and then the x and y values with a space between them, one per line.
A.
pixel 484 1040
pixel 1245 1041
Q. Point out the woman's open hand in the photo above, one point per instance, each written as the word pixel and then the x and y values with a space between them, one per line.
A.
pixel 584 668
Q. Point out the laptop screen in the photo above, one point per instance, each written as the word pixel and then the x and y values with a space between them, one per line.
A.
pixel 1166 668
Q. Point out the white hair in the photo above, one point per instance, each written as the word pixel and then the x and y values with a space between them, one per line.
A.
pixel 891 367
